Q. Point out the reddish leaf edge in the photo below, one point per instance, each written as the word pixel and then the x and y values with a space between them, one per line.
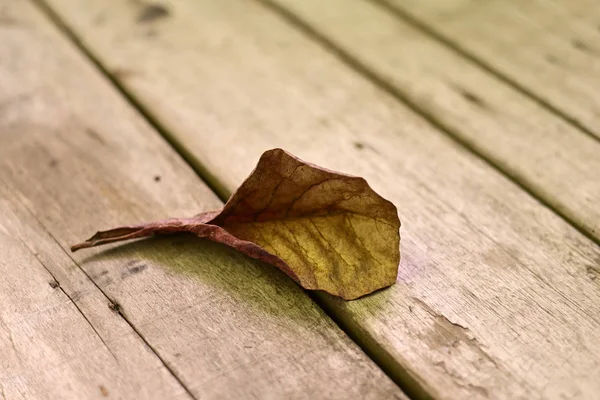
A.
pixel 198 226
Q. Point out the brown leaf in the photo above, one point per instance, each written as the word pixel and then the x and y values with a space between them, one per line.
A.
pixel 326 230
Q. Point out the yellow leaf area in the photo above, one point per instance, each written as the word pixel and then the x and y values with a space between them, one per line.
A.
pixel 333 231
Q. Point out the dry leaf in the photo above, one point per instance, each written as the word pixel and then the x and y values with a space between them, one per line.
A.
pixel 327 231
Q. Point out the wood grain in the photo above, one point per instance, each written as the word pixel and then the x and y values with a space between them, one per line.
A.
pixel 58 339
pixel 175 317
pixel 497 296
pixel 545 154
pixel 549 48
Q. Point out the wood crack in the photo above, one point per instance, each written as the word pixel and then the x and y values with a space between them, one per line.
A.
pixel 137 332
pixel 58 286
pixel 54 283
pixel 12 342
pixel 460 381
pixel 457 330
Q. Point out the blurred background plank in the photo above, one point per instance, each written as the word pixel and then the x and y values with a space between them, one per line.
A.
pixel 187 318
pixel 497 296
pixel 548 48
pixel 551 158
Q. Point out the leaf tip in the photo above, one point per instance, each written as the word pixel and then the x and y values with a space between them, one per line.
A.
pixel 80 246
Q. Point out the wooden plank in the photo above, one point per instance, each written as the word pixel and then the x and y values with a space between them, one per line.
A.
pixel 549 48
pixel 61 340
pixel 78 158
pixel 497 296
pixel 545 154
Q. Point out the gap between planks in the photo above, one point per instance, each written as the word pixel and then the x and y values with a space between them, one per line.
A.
pixel 207 177
pixel 111 302
pixel 387 87
pixel 55 282
pixel 406 382
pixel 431 32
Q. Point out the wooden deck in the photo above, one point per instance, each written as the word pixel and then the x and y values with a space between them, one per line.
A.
pixel 480 120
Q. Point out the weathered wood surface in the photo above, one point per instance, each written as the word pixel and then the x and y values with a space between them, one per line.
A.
pixel 188 318
pixel 63 342
pixel 549 48
pixel 497 296
pixel 545 154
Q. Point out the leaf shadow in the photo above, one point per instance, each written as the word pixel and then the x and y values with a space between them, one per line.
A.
pixel 346 312
pixel 216 269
